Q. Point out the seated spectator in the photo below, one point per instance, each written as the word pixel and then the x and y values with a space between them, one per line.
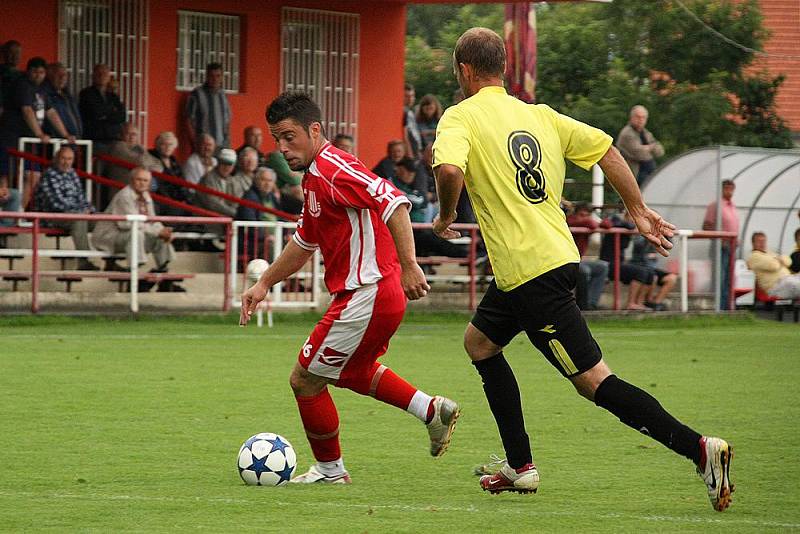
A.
pixel 395 151
pixel 245 169
pixel 427 117
pixel 795 256
pixel 220 179
pixel 644 253
pixel 253 137
pixel 201 162
pixel 289 183
pixel 9 200
pixel 162 159
pixel 772 270
pixel 153 237
pixel 638 276
pixel 126 148
pixel 264 191
pixel 102 112
pixel 426 242
pixel 592 274
pixel 61 191
pixel 62 100
pixel 345 142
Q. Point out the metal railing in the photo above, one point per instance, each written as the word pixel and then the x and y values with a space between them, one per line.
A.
pixel 56 143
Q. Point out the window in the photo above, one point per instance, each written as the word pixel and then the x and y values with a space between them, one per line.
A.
pixel 110 32
pixel 319 55
pixel 205 38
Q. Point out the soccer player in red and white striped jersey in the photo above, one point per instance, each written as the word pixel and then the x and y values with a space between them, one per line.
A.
pixel 360 223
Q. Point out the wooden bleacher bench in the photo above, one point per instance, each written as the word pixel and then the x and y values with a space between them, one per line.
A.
pixel 122 279
pixel 63 256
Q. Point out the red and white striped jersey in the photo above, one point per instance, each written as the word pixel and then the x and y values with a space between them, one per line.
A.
pixel 344 214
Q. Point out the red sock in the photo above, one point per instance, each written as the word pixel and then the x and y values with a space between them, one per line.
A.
pixel 321 422
pixel 392 389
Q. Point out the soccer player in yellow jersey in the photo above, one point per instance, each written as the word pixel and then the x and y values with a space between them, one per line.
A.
pixel 511 157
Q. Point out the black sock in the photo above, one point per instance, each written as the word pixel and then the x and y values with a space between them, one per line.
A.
pixel 502 392
pixel 640 411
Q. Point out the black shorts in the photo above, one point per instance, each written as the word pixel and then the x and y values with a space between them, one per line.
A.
pixel 545 309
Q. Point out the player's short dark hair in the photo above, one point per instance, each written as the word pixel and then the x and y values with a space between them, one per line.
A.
pixel 755 235
pixel 341 136
pixel 482 49
pixel 36 62
pixel 408 164
pixel 213 66
pixel 295 105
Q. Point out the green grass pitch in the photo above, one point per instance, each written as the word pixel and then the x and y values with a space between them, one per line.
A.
pixel 111 425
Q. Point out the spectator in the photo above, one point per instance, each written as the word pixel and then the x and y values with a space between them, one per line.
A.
pixel 126 148
pixel 253 138
pixel 644 253
pixel 638 146
pixel 162 159
pixel 61 192
pixel 245 170
pixel 208 111
pixel 153 237
pixel 219 180
pixel 9 200
pixel 427 117
pixel 395 152
pixel 345 142
pixel 289 183
pixel 65 104
pixel 426 183
pixel 771 270
pixel 795 256
pixel 638 277
pixel 101 110
pixel 10 54
pixel 201 162
pixel 730 223
pixel 264 191
pixel 411 135
pixel 592 274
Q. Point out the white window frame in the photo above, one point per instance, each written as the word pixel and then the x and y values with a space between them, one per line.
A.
pixel 205 38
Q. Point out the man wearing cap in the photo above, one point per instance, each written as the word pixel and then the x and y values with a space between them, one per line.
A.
pixel 219 178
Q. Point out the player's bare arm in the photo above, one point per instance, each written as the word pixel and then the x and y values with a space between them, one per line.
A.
pixel 411 277
pixel 449 181
pixel 650 224
pixel 289 262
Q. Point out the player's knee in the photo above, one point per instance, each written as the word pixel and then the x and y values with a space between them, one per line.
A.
pixel 587 382
pixel 477 345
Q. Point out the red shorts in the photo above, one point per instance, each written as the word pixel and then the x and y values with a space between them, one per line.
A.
pixel 355 330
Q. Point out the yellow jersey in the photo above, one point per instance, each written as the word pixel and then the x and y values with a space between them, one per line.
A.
pixel 513 158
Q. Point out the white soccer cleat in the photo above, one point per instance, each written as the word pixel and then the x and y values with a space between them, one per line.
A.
pixel 314 476
pixel 440 429
pixel 522 480
pixel 714 469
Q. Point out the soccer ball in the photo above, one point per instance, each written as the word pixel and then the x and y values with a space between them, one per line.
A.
pixel 266 459
pixel 255 269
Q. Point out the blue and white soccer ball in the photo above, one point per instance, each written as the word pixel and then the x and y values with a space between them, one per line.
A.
pixel 266 459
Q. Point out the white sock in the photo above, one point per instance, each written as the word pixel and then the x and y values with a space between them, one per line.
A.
pixel 331 469
pixel 419 405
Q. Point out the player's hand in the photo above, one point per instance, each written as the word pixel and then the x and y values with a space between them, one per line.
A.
pixel 250 300
pixel 655 229
pixel 441 227
pixel 413 281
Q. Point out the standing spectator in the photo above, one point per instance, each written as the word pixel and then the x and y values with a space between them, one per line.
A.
pixel 245 170
pixel 9 200
pixel 644 253
pixel 264 191
pixel 153 237
pixel 395 152
pixel 62 192
pixel 162 159
pixel 253 138
pixel 101 110
pixel 411 135
pixel 638 146
pixel 772 270
pixel 638 277
pixel 208 111
pixel 126 148
pixel 65 104
pixel 10 54
pixel 730 223
pixel 289 183
pixel 345 142
pixel 201 162
pixel 592 274
pixel 427 117
pixel 219 179
pixel 795 257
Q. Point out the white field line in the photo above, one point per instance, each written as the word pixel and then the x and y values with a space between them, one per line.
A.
pixel 730 521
